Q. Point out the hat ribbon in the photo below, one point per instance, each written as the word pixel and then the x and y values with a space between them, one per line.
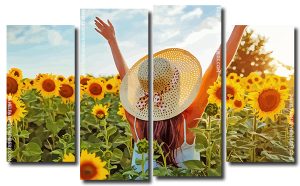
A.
pixel 157 97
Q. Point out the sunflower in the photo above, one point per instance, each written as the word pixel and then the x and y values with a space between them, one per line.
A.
pixel 84 80
pixel 238 103
pixel 215 92
pixel 272 78
pixel 268 101
pixel 66 92
pixel 71 79
pixel 17 73
pixel 47 85
pixel 95 88
pixel 234 77
pixel 82 91
pixel 92 167
pixel 121 112
pixel 60 78
pixel 103 80
pixel 69 158
pixel 27 84
pixel 15 109
pixel 13 86
pixel 117 77
pixel 100 111
pixel 252 82
pixel 111 85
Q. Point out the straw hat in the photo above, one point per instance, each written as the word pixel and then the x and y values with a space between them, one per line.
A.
pixel 176 76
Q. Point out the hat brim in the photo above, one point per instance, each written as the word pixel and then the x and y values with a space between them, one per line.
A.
pixel 190 76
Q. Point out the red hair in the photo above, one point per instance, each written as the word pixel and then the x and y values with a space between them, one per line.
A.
pixel 167 132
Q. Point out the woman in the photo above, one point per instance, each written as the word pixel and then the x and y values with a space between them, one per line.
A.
pixel 179 93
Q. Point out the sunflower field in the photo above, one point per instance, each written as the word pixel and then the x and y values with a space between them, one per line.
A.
pixel 260 118
pixel 40 118
pixel 208 143
pixel 106 141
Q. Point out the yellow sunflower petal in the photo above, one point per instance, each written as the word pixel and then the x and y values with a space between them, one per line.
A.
pixel 92 167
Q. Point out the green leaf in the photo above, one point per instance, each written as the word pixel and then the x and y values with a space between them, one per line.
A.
pixel 201 139
pixel 117 155
pixel 213 172
pixel 55 127
pixel 233 120
pixel 32 149
pixel 24 134
pixel 194 164
pixel 111 130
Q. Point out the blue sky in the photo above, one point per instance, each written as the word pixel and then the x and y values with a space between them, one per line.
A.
pixel 196 29
pixel 131 27
pixel 41 49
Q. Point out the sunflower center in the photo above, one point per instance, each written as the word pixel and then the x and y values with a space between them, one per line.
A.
pixel 12 85
pixel 31 82
pixel 283 87
pixel 61 79
pixel 95 89
pixel 84 81
pixel 237 103
pixel 88 171
pixel 48 85
pixel 16 73
pixel 66 91
pixel 109 86
pixel 269 100
pixel 219 93
pixel 229 92
pixel 11 108
pixel 100 113
pixel 250 81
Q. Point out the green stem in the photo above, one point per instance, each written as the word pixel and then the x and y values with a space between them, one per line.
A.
pixel 253 139
pixel 143 164
pixel 208 153
pixel 108 166
pixel 17 142
pixel 49 145
pixel 106 137
pixel 53 141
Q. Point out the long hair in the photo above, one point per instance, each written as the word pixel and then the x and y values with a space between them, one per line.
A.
pixel 166 132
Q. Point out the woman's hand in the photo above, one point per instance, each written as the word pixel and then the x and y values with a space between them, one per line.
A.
pixel 106 30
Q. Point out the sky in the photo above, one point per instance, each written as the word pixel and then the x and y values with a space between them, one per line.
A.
pixel 131 27
pixel 41 49
pixel 196 29
pixel 280 40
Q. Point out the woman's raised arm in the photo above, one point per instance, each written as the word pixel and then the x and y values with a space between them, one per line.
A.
pixel 108 32
pixel 196 109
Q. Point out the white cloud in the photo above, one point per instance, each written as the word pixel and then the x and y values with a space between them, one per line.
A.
pixel 167 35
pixel 193 14
pixel 55 38
pixel 210 25
pixel 35 34
pixel 175 10
pixel 167 15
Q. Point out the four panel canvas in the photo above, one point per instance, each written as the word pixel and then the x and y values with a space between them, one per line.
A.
pixel 177 104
